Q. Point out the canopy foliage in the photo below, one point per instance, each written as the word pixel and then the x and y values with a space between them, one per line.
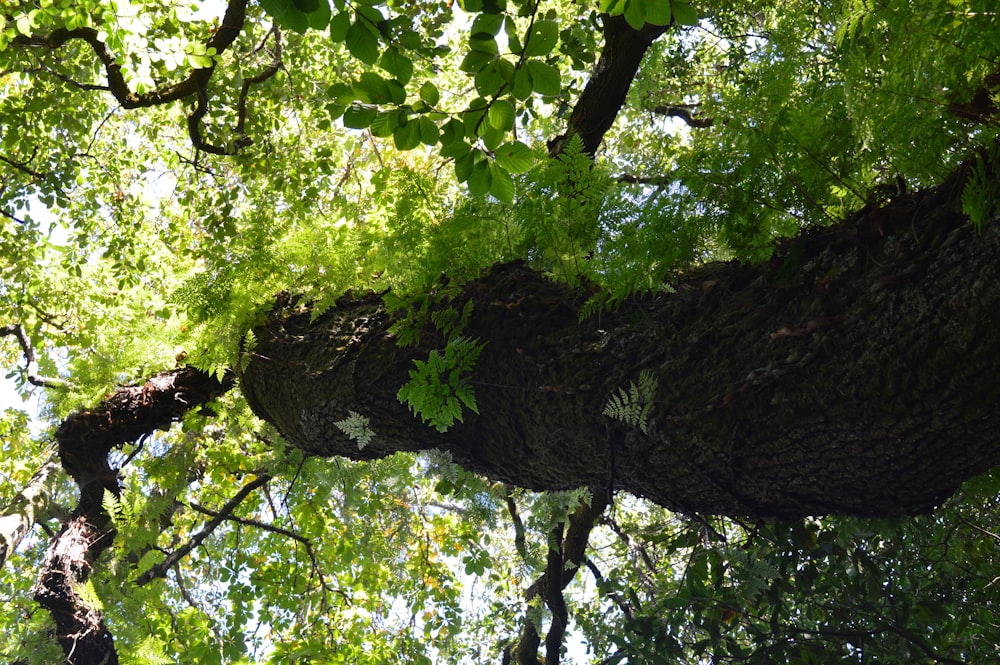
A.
pixel 171 170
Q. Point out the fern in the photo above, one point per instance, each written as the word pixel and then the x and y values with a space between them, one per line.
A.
pixel 356 427
pixel 633 406
pixel 151 651
pixel 981 194
pixel 439 387
pixel 123 511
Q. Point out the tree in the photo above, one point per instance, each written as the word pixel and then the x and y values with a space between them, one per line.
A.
pixel 362 329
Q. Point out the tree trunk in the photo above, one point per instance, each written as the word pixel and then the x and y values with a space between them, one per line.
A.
pixel 854 373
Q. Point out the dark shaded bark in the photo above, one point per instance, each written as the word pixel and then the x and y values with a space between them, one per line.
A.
pixel 84 440
pixel 603 96
pixel 854 373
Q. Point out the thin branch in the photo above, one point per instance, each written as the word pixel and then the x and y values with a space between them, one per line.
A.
pixel 23 167
pixel 566 555
pixel 160 569
pixel 518 523
pixel 31 370
pixel 195 84
pixel 242 140
pixel 685 113
pixel 622 604
pixel 257 524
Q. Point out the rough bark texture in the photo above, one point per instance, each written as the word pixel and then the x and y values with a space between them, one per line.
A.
pixel 84 441
pixel 854 373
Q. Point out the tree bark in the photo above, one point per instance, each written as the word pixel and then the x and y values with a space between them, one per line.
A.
pixel 32 504
pixel 854 373
pixel 84 441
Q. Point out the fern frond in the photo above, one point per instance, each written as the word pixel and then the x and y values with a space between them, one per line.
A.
pixel 356 427
pixel 634 405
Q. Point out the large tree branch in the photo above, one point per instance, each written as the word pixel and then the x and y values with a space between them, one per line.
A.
pixel 854 373
pixel 84 440
pixel 603 96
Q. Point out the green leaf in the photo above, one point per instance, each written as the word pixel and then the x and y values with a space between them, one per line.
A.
pixel 491 136
pixel 452 132
pixel 465 164
pixel 429 93
pixel 23 24
pixel 515 157
pixel 397 64
pixel 374 88
pixel 320 17
pixel 339 25
pixel 501 115
pixel 521 88
pixel 359 116
pixel 658 12
pixel 385 123
pixel 480 180
pixel 635 13
pixel 306 6
pixel 474 61
pixel 541 38
pixel 428 131
pixel 406 136
pixel 684 13
pixel 486 24
pixel 501 187
pixel 362 42
pixel 545 78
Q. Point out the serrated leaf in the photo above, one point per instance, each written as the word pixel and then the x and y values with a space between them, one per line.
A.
pixel 359 116
pixel 501 185
pixel 362 43
pixel 515 157
pixel 430 94
pixel 545 79
pixel 541 38
pixel 501 115
pixel 684 13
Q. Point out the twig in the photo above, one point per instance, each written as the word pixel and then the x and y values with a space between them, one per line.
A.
pixel 160 569
pixel 31 370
